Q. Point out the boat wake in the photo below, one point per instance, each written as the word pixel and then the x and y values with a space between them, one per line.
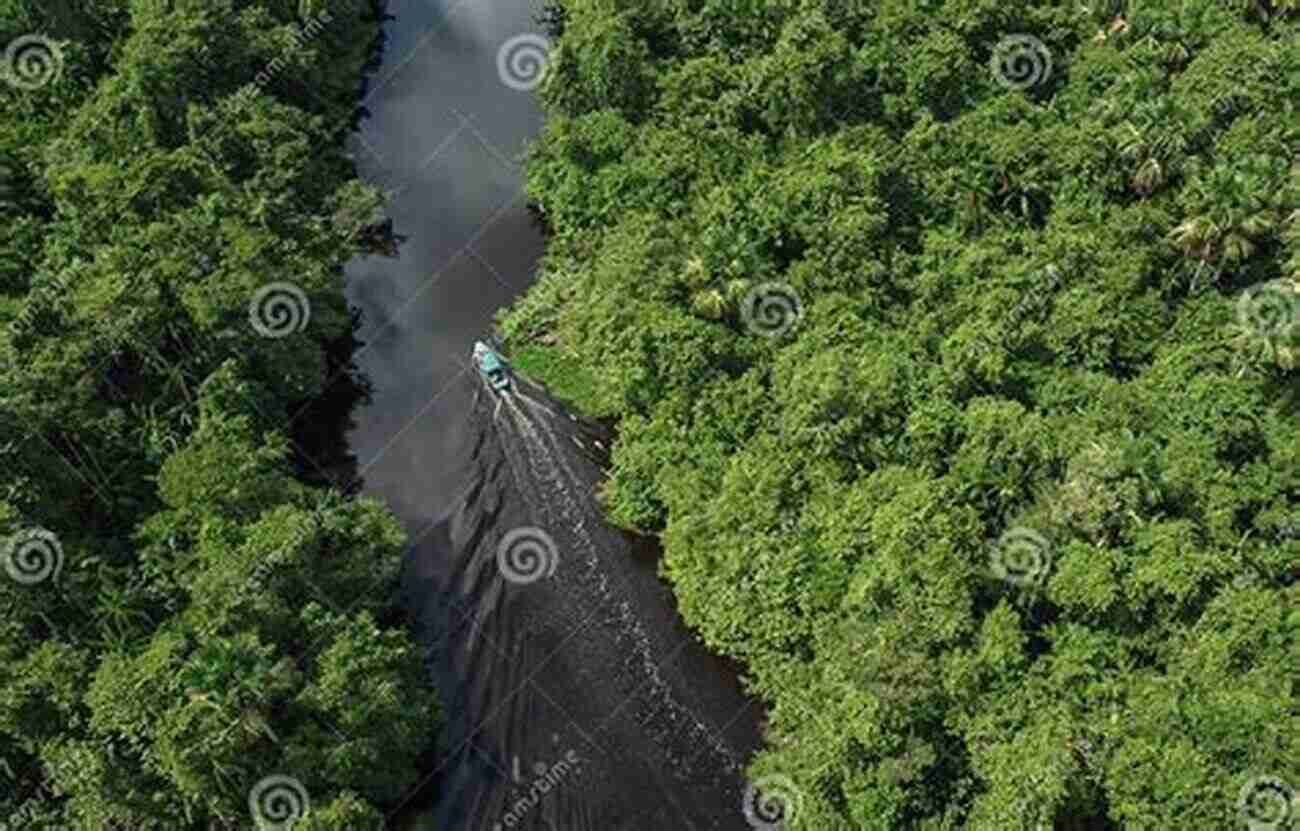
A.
pixel 577 699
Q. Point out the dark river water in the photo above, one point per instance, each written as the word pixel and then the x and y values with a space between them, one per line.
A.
pixel 444 139
pixel 577 699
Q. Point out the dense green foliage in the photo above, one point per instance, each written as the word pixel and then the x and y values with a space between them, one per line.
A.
pixel 219 615
pixel 1035 326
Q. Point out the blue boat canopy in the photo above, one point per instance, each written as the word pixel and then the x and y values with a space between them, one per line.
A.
pixel 491 366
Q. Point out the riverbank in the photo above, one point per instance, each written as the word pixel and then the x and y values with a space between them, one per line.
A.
pixel 431 445
pixel 221 625
pixel 953 358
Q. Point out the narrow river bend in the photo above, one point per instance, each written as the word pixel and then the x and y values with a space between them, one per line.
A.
pixel 579 700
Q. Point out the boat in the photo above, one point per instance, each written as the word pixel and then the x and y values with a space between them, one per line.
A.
pixel 491 366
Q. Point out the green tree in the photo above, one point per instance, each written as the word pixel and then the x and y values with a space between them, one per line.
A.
pixel 187 613
pixel 993 525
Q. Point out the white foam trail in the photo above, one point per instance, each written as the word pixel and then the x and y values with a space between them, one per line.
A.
pixel 533 402
pixel 543 443
pixel 537 459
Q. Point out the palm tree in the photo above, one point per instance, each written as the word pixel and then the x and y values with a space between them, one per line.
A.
pixel 973 183
pixel 1153 138
pixel 1197 237
pixel 119 620
pixel 1235 216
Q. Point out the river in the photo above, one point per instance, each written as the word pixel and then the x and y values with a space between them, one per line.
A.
pixel 577 700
